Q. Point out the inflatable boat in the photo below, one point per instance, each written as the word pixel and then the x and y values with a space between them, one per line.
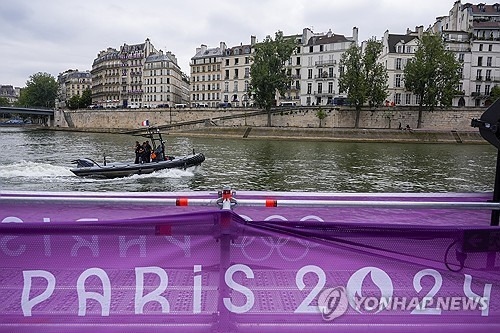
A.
pixel 159 160
pixel 87 167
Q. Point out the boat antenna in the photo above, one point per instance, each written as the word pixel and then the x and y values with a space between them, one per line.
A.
pixel 489 128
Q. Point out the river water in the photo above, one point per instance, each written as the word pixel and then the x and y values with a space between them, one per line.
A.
pixel 40 160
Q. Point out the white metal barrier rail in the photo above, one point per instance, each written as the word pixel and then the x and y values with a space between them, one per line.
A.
pixel 186 201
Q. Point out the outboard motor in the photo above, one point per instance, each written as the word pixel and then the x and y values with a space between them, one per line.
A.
pixel 84 163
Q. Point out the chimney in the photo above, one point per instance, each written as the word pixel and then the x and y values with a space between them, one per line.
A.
pixel 253 40
pixel 420 31
pixel 329 33
pixel 203 48
pixel 222 47
pixel 306 35
pixel 355 34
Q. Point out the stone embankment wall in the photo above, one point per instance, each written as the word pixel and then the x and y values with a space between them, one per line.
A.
pixel 301 117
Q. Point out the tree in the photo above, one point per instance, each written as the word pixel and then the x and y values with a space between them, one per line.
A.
pixel 495 93
pixel 364 79
pixel 433 74
pixel 268 72
pixel 86 98
pixel 375 74
pixel 321 115
pixel 41 91
pixel 4 101
pixel 74 102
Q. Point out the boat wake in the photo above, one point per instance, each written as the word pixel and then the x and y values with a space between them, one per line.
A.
pixel 30 169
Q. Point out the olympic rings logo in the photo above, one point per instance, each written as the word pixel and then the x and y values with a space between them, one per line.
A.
pixel 275 245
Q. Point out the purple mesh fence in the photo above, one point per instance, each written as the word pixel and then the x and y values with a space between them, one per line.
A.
pixel 145 267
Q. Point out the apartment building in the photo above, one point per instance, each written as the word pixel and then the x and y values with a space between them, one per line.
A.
pixel 319 65
pixel 163 81
pixel 117 79
pixel 72 82
pixel 293 67
pixel 397 49
pixel 472 32
pixel 236 68
pixel 10 93
pixel 207 75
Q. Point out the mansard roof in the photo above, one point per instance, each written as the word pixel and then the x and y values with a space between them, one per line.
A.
pixel 213 52
pixel 393 40
pixel 325 39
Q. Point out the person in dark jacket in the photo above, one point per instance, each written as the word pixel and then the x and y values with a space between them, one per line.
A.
pixel 138 149
pixel 147 151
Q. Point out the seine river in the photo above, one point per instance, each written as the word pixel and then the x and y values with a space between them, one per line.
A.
pixel 40 160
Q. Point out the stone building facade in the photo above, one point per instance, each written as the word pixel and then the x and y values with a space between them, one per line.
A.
pixel 72 83
pixel 10 93
pixel 320 70
pixel 207 75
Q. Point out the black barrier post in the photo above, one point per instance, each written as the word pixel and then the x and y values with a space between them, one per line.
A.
pixel 495 214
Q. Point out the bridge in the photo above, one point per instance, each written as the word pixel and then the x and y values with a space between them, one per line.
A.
pixel 32 111
pixel 40 116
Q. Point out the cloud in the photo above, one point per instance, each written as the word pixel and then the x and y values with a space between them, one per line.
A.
pixel 56 35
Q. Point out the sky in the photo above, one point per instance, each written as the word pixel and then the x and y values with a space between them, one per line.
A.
pixel 56 35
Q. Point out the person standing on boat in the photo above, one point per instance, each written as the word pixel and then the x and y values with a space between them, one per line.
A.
pixel 147 151
pixel 137 152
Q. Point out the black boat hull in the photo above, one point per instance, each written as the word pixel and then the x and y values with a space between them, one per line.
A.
pixel 124 170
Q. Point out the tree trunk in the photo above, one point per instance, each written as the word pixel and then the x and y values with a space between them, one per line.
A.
pixel 419 120
pixel 269 124
pixel 358 112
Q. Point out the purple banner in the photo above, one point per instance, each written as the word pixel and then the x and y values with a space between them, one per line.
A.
pixel 130 263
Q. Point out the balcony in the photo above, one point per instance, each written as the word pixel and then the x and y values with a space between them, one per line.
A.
pixel 322 94
pixel 488 78
pixel 479 78
pixel 135 73
pixel 325 76
pixel 326 63
pixel 295 77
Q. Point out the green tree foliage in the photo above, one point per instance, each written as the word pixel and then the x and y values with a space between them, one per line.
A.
pixel 321 115
pixel 495 93
pixel 4 101
pixel 74 102
pixel 40 91
pixel 433 74
pixel 268 72
pixel 364 79
pixel 86 98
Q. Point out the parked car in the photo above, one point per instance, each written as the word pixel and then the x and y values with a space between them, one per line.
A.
pixel 180 105
pixel 162 106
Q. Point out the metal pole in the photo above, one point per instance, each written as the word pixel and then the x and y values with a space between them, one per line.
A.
pixel 495 214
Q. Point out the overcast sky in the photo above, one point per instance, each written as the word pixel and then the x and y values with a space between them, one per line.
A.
pixel 55 35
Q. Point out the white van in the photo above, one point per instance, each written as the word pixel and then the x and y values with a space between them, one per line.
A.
pixel 180 105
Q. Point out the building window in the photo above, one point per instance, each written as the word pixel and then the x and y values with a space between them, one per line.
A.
pixel 397 98
pixel 408 99
pixel 399 49
pixel 488 75
pixel 227 62
pixel 330 87
pixel 479 61
pixel 321 48
pixel 487 89
pixel 330 72
pixel 490 47
pixel 247 60
pixel 398 63
pixel 236 61
pixel 479 74
pixel 311 49
pixel 478 88
pixel 309 73
pixel 480 47
pixel 488 61
pixel 298 60
pixel 320 87
pixel 309 88
pixel 397 81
